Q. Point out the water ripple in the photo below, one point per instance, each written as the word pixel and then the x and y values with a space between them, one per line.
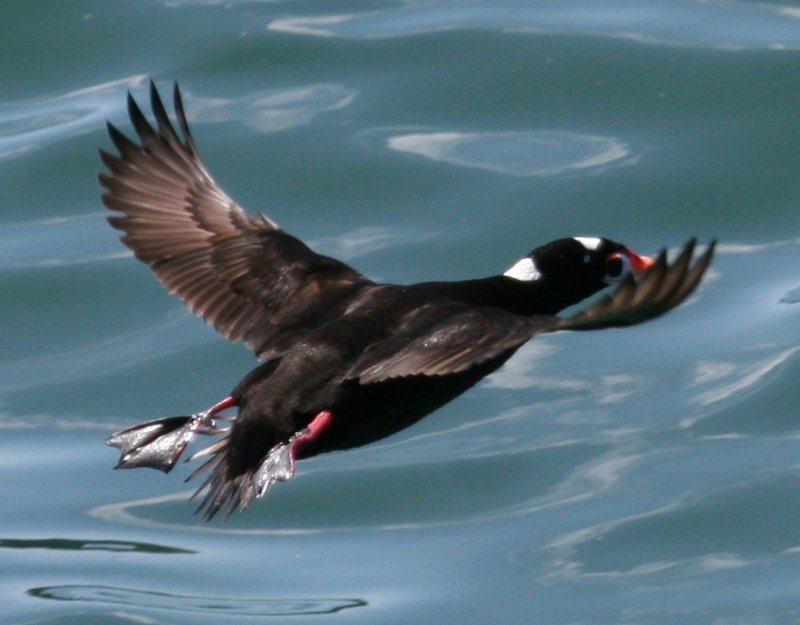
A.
pixel 30 125
pixel 68 544
pixel 64 241
pixel 27 126
pixel 627 547
pixel 366 240
pixel 273 110
pixel 692 23
pixel 536 153
pixel 735 378
pixel 223 606
pixel 553 474
pixel 172 334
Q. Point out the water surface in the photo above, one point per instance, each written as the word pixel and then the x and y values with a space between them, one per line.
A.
pixel 646 475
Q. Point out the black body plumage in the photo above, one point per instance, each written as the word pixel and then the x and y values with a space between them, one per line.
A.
pixel 344 360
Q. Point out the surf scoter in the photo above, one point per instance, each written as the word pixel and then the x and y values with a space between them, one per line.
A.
pixel 344 360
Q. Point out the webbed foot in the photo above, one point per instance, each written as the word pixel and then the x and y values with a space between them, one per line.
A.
pixel 159 444
pixel 279 465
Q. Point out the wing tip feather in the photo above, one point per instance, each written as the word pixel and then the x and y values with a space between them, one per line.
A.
pixel 663 288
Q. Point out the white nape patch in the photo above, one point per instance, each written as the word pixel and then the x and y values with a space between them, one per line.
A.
pixel 590 243
pixel 525 270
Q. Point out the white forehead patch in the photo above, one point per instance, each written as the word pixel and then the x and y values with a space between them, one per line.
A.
pixel 525 270
pixel 590 243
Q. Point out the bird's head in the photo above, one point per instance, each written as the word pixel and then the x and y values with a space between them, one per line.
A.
pixel 566 271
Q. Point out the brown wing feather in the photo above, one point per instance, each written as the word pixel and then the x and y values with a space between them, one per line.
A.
pixel 237 271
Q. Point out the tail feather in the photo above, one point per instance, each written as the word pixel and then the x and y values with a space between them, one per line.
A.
pixel 221 490
pixel 206 451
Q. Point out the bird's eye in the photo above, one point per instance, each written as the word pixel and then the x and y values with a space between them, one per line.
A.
pixel 618 267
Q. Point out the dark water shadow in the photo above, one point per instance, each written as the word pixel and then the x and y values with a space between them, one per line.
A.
pixel 68 544
pixel 791 297
pixel 229 606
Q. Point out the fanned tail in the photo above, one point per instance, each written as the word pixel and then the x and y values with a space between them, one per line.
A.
pixel 236 492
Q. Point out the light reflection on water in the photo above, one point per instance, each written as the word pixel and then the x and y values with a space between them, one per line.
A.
pixel 546 153
pixel 26 126
pixel 690 23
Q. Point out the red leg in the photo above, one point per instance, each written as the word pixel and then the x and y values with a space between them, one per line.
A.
pixel 312 431
pixel 203 422
pixel 226 403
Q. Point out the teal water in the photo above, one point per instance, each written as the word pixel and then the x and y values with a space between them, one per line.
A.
pixel 640 476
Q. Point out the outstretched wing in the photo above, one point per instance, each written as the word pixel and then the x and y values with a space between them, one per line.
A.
pixel 238 272
pixel 449 339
